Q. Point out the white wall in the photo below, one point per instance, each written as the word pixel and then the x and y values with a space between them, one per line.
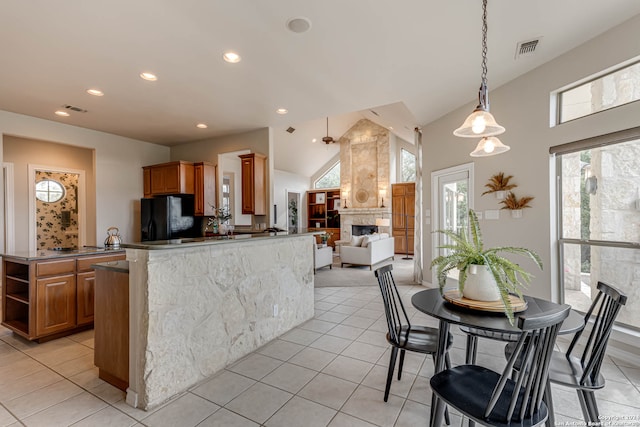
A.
pixel 118 169
pixel 522 107
pixel 289 182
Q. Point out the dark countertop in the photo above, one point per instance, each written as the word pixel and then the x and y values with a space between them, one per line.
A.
pixel 118 266
pixel 199 241
pixel 50 254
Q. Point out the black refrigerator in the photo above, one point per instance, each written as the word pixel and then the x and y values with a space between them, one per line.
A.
pixel 168 217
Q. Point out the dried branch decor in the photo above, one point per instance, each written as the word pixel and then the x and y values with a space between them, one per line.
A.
pixel 499 182
pixel 513 203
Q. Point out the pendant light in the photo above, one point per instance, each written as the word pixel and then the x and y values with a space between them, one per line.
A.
pixel 481 122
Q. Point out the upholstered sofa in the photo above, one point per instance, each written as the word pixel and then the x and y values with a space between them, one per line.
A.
pixel 367 250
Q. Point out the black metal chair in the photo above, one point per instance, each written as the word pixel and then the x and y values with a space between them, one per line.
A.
pixel 583 372
pixel 492 399
pixel 402 334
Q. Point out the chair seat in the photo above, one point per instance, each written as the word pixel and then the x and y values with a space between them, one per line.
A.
pixel 454 386
pixel 422 339
pixel 568 372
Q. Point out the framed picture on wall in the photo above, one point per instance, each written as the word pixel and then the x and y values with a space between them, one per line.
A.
pixel 336 204
pixel 320 198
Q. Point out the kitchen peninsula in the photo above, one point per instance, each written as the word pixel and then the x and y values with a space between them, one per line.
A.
pixel 197 305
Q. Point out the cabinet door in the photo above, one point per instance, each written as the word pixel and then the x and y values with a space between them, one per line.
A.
pixel 85 297
pixel 157 180
pixel 205 189
pixel 146 177
pixel 171 178
pixel 248 200
pixel 55 304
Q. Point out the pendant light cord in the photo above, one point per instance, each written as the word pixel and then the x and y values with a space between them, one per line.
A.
pixel 484 41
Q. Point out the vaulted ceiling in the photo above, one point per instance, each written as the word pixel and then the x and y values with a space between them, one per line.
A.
pixel 421 56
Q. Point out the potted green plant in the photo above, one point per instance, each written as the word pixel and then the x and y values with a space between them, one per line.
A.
pixel 496 275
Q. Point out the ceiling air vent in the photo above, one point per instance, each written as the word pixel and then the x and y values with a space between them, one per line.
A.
pixel 291 130
pixel 527 48
pixel 74 108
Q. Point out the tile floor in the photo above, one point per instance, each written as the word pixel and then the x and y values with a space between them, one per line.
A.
pixel 329 371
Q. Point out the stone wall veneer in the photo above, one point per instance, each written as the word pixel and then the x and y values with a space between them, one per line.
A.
pixel 195 310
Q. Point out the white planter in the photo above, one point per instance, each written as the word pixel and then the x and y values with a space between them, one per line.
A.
pixel 500 195
pixel 516 213
pixel 480 284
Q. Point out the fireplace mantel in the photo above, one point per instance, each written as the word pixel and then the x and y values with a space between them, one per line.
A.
pixel 362 216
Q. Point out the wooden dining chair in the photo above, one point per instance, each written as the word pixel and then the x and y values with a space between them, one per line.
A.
pixel 402 335
pixel 582 372
pixel 493 399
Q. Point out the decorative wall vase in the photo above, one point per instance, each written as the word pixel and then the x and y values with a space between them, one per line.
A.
pixel 500 195
pixel 516 213
pixel 480 284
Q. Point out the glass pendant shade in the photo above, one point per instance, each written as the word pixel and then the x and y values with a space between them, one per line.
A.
pixel 489 146
pixel 479 123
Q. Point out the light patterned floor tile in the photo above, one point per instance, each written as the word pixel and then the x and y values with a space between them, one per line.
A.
pixel 67 412
pixel 299 412
pixel 225 418
pixel 377 378
pixel 345 331
pixel 348 369
pixel 368 404
pixel 186 411
pixel 344 420
pixel 6 418
pixel 28 384
pixel 107 417
pixel 330 343
pixel 224 387
pixel 328 390
pixel 301 336
pixel 42 398
pixel 319 326
pixel 313 358
pixel 289 377
pixel 281 350
pixel 255 366
pixel 259 402
pixel 363 351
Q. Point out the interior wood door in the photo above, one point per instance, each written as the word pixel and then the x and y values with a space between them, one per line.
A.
pixel 403 207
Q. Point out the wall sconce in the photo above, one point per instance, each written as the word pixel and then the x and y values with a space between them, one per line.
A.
pixel 345 196
pixel 383 193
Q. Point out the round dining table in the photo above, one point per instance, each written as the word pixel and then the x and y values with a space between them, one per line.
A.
pixel 431 302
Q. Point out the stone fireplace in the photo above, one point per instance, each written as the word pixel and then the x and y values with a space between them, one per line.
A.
pixel 365 176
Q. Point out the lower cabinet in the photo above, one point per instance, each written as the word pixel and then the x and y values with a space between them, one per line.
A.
pixel 56 304
pixel 44 299
pixel 85 296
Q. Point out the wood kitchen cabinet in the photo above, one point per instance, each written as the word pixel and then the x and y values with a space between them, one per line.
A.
pixel 254 189
pixel 168 178
pixel 47 298
pixel 205 189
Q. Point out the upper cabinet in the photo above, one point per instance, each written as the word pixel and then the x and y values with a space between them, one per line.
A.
pixel 254 189
pixel 169 178
pixel 205 189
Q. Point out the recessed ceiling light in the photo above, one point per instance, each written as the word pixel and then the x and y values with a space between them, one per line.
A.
pixel 299 24
pixel 62 113
pixel 282 111
pixel 231 57
pixel 149 76
pixel 201 126
pixel 314 140
pixel 95 92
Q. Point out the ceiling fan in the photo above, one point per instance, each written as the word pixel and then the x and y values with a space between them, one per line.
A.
pixel 327 139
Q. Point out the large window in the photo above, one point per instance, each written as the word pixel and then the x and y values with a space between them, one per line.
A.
pixel 331 178
pixel 602 93
pixel 599 218
pixel 408 166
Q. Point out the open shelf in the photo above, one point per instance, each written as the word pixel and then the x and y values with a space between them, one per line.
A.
pixel 23 298
pixel 323 214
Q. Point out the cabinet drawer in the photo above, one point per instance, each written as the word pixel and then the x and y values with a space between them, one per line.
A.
pixel 84 263
pixel 48 268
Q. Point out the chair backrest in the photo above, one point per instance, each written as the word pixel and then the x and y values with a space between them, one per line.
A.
pixel 393 306
pixel 531 356
pixel 608 303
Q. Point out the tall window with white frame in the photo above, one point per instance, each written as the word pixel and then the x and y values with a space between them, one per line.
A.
pixel 599 218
